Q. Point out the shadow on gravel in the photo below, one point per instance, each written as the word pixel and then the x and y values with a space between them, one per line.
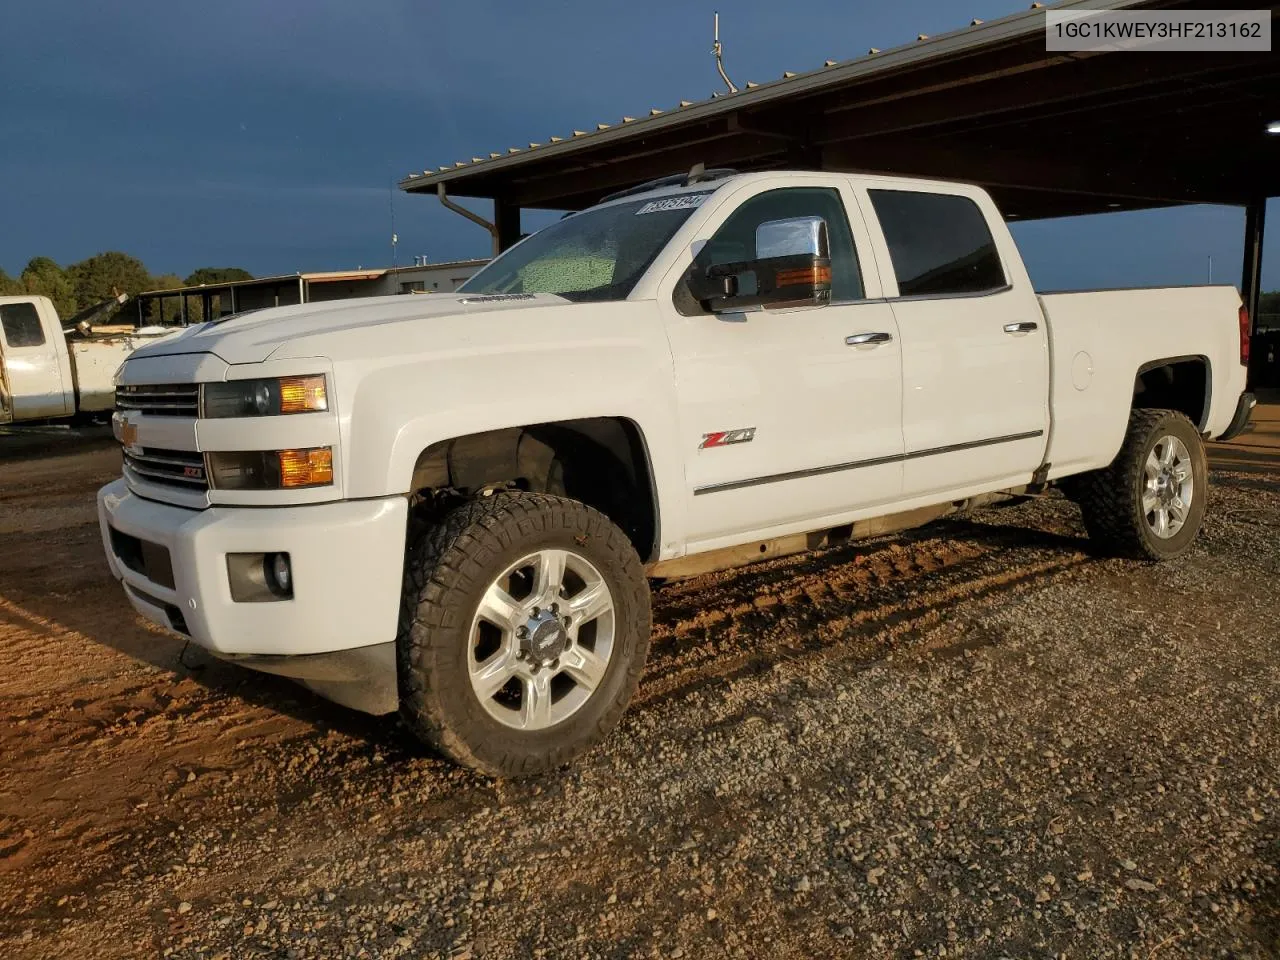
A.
pixel 1263 462
pixel 25 443
pixel 1259 483
pixel 1007 535
pixel 799 566
pixel 856 603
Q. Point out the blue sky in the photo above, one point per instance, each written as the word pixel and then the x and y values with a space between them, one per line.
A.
pixel 265 134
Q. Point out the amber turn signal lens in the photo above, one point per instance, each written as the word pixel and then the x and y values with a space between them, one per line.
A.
pixel 306 468
pixel 816 275
pixel 302 394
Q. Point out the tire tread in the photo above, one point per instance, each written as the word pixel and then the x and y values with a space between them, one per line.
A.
pixel 1112 514
pixel 445 556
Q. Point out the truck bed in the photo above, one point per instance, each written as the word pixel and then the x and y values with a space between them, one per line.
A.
pixel 1103 339
pixel 94 361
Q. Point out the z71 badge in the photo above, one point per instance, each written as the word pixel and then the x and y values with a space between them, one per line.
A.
pixel 723 438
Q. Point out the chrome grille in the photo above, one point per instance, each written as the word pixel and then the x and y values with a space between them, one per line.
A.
pixel 160 399
pixel 178 468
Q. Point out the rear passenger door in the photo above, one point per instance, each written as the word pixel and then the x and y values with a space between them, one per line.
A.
pixel 975 360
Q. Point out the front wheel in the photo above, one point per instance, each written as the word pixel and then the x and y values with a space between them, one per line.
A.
pixel 1150 502
pixel 524 627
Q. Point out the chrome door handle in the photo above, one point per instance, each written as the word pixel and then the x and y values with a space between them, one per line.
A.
pixel 868 339
pixel 1026 326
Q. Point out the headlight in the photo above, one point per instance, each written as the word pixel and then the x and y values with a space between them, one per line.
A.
pixel 270 469
pixel 264 398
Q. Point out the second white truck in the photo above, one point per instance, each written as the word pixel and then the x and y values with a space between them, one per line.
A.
pixel 51 369
pixel 450 506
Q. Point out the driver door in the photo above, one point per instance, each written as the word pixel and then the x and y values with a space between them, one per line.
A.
pixel 31 364
pixel 790 418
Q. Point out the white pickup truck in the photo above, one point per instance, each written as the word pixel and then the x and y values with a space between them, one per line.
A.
pixel 450 506
pixel 52 369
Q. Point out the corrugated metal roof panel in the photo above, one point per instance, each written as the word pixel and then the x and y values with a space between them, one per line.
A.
pixel 831 74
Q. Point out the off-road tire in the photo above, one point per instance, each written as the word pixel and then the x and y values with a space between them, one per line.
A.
pixel 449 562
pixel 1111 499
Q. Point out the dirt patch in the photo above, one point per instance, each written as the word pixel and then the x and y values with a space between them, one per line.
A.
pixel 976 739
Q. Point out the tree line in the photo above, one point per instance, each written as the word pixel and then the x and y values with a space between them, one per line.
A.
pixel 102 276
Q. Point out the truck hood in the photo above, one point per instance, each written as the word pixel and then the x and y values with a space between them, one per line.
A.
pixel 253 336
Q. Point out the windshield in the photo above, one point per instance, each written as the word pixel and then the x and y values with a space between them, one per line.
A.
pixel 591 256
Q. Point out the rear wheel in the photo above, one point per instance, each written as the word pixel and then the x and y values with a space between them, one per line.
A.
pixel 1150 502
pixel 524 627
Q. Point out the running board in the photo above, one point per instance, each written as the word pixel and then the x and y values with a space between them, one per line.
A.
pixel 726 558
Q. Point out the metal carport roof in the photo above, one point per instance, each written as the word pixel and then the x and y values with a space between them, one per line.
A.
pixel 1047 133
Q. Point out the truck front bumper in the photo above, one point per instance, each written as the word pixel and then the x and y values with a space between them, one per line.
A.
pixel 336 633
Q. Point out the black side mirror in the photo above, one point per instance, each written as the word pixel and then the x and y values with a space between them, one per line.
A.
pixel 792 268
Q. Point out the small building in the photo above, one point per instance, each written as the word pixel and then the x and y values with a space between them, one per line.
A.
pixel 193 304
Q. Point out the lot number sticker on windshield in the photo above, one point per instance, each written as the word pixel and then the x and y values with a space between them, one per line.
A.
pixel 684 202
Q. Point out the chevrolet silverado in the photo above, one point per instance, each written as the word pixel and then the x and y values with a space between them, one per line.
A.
pixel 451 507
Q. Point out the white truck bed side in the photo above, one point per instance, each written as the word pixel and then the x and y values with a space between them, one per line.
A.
pixel 1102 339
pixel 93 363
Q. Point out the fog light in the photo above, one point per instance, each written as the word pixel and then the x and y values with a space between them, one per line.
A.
pixel 281 573
pixel 260 577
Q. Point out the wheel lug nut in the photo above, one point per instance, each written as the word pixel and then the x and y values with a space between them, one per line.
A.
pixel 522 633
pixel 536 611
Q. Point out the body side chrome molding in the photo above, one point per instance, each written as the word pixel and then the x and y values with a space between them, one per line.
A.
pixel 859 464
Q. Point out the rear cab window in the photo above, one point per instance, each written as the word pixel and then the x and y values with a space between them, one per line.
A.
pixel 21 325
pixel 939 244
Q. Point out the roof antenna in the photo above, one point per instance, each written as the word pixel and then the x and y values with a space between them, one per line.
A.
pixel 395 239
pixel 718 50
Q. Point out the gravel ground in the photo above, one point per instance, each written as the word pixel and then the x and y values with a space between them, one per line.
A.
pixel 974 740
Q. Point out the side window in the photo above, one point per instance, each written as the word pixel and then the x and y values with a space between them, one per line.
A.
pixel 736 238
pixel 939 243
pixel 21 325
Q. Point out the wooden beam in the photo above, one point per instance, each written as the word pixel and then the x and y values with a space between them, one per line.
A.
pixel 1039 169
pixel 1067 89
